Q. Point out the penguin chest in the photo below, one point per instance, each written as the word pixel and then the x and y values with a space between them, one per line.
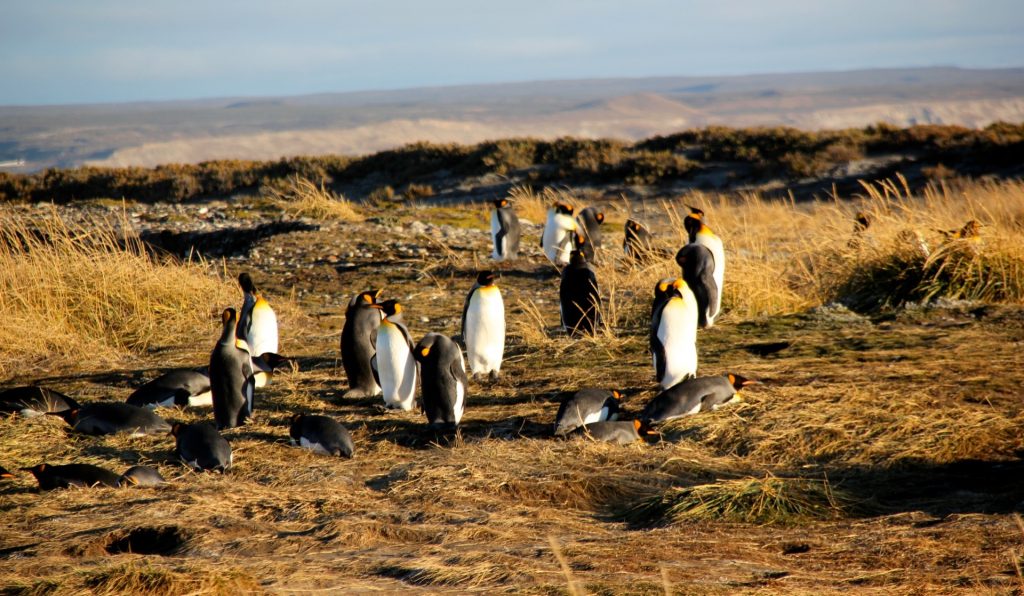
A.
pixel 313 445
pixel 485 330
pixel 262 336
pixel 396 367
pixel 460 393
pixel 500 247
pixel 677 332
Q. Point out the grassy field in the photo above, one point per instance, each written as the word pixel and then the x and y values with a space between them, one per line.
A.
pixel 879 454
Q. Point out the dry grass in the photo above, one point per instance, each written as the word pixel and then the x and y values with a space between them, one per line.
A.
pixel 533 206
pixel 300 197
pixel 912 418
pixel 74 296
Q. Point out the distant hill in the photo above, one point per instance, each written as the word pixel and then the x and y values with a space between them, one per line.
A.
pixel 152 133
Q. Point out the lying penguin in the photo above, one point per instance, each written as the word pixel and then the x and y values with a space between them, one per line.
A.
pixel 321 434
pixel 587 406
pixel 107 418
pixel 625 432
pixel 34 401
pixel 702 394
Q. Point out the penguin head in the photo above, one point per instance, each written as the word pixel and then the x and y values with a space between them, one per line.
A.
pixel 599 217
pixel 739 382
pixel 562 208
pixel 228 317
pixel 579 240
pixel 389 307
pixel 662 287
pixel 176 429
pixel 297 418
pixel 633 225
pixel 970 230
pixel 861 221
pixel 499 203
pixel 425 348
pixel 127 480
pixel 6 474
pixel 245 281
pixel 695 212
pixel 485 278
pixel 577 258
pixel 616 394
pixel 70 416
pixel 35 470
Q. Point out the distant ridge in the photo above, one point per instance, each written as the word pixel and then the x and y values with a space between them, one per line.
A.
pixel 151 133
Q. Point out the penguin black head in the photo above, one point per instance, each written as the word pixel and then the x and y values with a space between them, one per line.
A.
pixel 35 470
pixel 577 258
pixel 297 418
pixel 695 212
pixel 632 225
pixel 616 394
pixel 599 217
pixel 739 382
pixel 245 281
pixel 276 361
pixel 369 296
pixel 390 307
pixel 5 474
pixel 563 208
pixel 176 429
pixel 423 349
pixel 579 240
pixel 70 416
pixel 485 278
pixel 499 203
pixel 228 316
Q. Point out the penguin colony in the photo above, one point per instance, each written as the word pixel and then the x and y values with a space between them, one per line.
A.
pixel 381 360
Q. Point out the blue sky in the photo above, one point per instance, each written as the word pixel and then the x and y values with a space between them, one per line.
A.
pixel 115 50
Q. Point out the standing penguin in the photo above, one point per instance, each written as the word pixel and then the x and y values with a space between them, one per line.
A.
pixel 504 231
pixel 558 234
pixel 257 323
pixel 359 344
pixel 698 267
pixel 586 406
pixel 181 388
pixel 396 366
pixel 108 418
pixel 231 377
pixel 589 221
pixel 320 434
pixel 674 336
pixel 581 243
pixel 702 394
pixel 701 234
pixel 579 300
pixel 483 326
pixel 443 380
pixel 638 243
pixel 201 447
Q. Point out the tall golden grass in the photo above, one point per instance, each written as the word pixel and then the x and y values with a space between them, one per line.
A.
pixel 300 197
pixel 88 294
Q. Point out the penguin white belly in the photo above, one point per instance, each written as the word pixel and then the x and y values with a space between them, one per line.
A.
pixel 485 331
pixel 500 251
pixel 263 330
pixel 396 367
pixel 460 393
pixel 678 335
pixel 714 244
pixel 314 447
pixel 202 400
pixel 557 240
pixel 598 416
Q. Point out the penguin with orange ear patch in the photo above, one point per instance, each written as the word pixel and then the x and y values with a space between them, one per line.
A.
pixel 698 268
pixel 582 244
pixel 586 406
pixel 232 382
pixel 51 477
pixel 638 243
pixel 559 230
pixel 359 344
pixel 4 474
pixel 504 231
pixel 700 234
pixel 692 396
pixel 589 221
pixel 321 434
pixel 442 380
pixel 201 447
pixel 619 432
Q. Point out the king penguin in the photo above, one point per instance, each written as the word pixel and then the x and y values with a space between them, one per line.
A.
pixel 108 418
pixel 231 377
pixel 201 447
pixel 396 367
pixel 559 230
pixel 504 231
pixel 51 477
pixel 698 266
pixel 702 394
pixel 443 380
pixel 257 323
pixel 586 406
pixel 637 242
pixel 31 401
pixel 674 336
pixel 620 432
pixel 581 243
pixel 483 326
pixel 144 476
pixel 320 434
pixel 701 234
pixel 579 300
pixel 589 222
pixel 181 388
pixel 359 344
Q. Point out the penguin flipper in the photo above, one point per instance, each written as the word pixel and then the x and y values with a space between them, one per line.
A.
pixel 465 310
pixel 658 349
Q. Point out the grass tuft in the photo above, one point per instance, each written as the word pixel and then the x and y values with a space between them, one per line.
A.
pixel 302 198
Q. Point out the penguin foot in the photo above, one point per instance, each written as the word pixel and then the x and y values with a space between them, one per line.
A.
pixel 493 376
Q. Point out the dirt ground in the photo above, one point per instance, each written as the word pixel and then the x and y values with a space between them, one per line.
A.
pixel 913 421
